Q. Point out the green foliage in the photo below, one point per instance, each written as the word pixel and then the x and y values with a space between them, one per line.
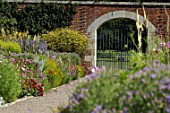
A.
pixel 53 73
pixel 10 86
pixel 101 89
pixel 61 68
pixel 39 18
pixel 147 90
pixel 69 64
pixel 79 72
pixel 46 83
pixel 158 50
pixel 73 58
pixel 35 18
pixel 144 91
pixel 66 40
pixel 10 46
pixel 137 60
pixel 28 43
pixel 7 15
pixel 30 76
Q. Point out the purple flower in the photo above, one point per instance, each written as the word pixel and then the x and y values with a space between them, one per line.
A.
pixel 147 69
pixel 168 99
pixel 80 96
pixel 93 75
pixel 40 51
pixel 97 109
pixel 168 110
pixel 155 63
pixel 168 87
pixel 29 110
pixel 124 110
pixel 162 87
pixel 74 100
pixel 168 45
pixel 152 76
pixel 143 80
pixel 138 74
pixel 165 81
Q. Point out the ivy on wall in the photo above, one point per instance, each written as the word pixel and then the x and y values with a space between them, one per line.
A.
pixel 35 18
pixel 7 15
pixel 44 17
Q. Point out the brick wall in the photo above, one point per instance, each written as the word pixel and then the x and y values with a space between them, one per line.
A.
pixel 87 14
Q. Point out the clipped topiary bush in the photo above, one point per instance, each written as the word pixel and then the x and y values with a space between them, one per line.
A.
pixel 66 40
pixel 10 86
pixel 10 47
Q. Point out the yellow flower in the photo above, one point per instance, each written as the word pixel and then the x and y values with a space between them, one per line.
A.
pixel 19 33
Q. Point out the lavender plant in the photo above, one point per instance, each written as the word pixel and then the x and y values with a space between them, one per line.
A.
pixel 28 43
pixel 146 91
pixel 33 44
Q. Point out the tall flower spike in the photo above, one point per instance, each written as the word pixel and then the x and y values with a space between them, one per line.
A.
pixel 145 18
pixel 140 29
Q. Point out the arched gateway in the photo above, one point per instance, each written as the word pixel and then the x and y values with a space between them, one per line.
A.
pixel 92 29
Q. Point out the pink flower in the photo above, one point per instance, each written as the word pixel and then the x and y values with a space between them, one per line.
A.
pixel 23 74
pixel 94 69
pixel 28 61
pixel 168 44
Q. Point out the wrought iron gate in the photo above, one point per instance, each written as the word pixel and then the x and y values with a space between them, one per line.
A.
pixel 113 47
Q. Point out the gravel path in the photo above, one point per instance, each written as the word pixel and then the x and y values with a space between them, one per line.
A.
pixel 54 98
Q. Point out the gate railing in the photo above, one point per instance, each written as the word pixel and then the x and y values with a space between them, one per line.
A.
pixel 113 60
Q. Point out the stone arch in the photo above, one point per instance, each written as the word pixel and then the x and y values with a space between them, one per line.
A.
pixel 92 30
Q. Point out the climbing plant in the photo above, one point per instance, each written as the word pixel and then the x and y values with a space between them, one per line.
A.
pixel 7 16
pixel 35 18
pixel 43 17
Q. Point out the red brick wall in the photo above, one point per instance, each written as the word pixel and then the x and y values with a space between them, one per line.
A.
pixel 87 14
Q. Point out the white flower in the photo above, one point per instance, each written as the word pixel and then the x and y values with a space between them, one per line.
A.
pixel 1 101
pixel 23 69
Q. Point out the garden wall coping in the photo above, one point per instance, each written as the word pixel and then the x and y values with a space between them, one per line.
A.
pixel 92 2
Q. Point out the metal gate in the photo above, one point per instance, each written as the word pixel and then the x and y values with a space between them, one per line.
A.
pixel 113 47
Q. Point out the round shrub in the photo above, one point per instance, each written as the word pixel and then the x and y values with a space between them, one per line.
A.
pixel 146 91
pixel 66 40
pixel 10 46
pixel 10 86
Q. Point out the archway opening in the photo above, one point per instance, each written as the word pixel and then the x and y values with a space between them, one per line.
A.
pixel 115 38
